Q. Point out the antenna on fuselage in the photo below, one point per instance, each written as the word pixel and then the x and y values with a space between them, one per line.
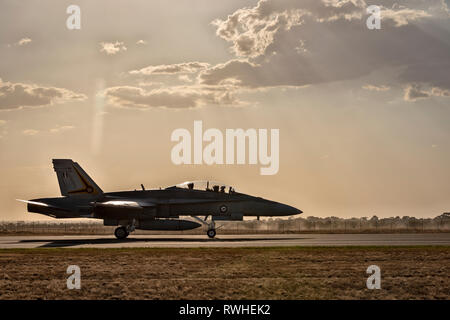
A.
pixel 142 186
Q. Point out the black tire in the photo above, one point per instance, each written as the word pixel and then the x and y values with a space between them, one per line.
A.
pixel 121 233
pixel 211 233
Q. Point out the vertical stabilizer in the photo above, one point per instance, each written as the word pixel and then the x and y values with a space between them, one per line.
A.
pixel 73 180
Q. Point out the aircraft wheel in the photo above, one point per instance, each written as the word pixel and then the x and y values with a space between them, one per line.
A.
pixel 121 233
pixel 211 233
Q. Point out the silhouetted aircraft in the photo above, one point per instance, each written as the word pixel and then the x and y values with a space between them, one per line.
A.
pixel 158 209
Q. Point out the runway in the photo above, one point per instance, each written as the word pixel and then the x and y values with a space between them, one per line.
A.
pixel 201 241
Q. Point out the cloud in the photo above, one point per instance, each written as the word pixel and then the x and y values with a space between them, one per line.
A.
pixel 414 92
pixel 141 42
pixel 23 42
pixel 30 132
pixel 184 78
pixel 185 67
pixel 150 84
pixel 243 73
pixel 376 88
pixel 178 97
pixel 20 43
pixel 59 129
pixel 252 30
pixel 300 43
pixel 18 95
pixel 403 17
pixel 111 48
pixel 440 92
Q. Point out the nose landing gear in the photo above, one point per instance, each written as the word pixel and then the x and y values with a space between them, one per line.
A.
pixel 211 228
pixel 211 233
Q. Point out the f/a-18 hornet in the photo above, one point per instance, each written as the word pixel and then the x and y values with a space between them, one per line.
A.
pixel 158 209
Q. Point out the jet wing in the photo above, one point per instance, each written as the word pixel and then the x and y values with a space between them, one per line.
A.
pixel 137 204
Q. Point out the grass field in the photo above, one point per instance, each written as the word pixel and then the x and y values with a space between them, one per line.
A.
pixel 227 273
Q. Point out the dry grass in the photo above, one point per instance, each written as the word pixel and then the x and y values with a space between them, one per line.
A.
pixel 226 273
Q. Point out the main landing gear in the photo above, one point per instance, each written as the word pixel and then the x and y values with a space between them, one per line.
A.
pixel 121 233
pixel 124 231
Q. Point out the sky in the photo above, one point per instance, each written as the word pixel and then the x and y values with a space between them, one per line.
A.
pixel 363 114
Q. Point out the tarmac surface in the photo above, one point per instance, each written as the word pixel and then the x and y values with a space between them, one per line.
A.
pixel 201 241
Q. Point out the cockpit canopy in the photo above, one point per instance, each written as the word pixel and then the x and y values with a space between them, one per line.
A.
pixel 204 185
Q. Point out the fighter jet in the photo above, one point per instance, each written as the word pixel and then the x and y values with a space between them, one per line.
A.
pixel 156 209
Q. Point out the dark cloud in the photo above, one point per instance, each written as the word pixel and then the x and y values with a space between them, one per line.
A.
pixel 302 43
pixel 298 43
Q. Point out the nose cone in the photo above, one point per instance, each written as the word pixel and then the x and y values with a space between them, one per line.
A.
pixel 285 210
pixel 272 208
pixel 268 208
